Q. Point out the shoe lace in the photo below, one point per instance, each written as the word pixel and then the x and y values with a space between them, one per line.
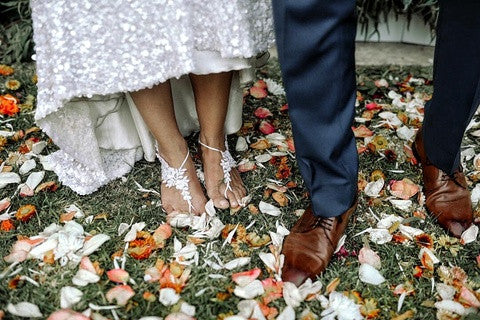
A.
pixel 452 177
pixel 325 223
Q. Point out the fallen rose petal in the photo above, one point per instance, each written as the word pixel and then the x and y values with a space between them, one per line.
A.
pixel 67 314
pixel 445 291
pixel 34 179
pixel 261 144
pixel 370 275
pixel 287 314
pixel 258 93
pixel 291 295
pixel 236 263
pixel 362 132
pixel 168 296
pixel 266 127
pixel 161 234
pixel 118 275
pixel 245 277
pixel 250 291
pixel 262 113
pixel 24 309
pixel 452 306
pixel 69 296
pixel 5 203
pixel 246 166
pixel 84 277
pixel 403 189
pixel 94 243
pixel 368 256
pixel 179 316
pixel 241 144
pixel 401 204
pixel 469 235
pixel 380 236
pixel 8 178
pixel 468 298
pixel 269 209
pixel 27 166
pixel 261 158
pixel 120 294
pixel 372 189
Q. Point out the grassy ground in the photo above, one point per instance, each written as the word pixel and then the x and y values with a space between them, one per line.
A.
pixel 120 201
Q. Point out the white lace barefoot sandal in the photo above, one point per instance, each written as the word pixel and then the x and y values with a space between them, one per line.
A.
pixel 227 163
pixel 175 177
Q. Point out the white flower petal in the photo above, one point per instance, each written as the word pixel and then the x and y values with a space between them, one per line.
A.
pixel 84 277
pixel 27 166
pixel 269 209
pixel 241 144
pixel 380 236
pixel 291 295
pixel 370 275
pixel 9 177
pixel 445 291
pixel 168 296
pixel 372 189
pixel 263 158
pixel 250 291
pixel 69 296
pixel 287 314
pixel 94 243
pixel 132 234
pixel 470 234
pixel 236 263
pixel 452 306
pixel 401 204
pixel 24 309
pixel 34 179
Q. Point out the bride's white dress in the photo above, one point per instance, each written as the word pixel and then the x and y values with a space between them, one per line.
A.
pixel 91 53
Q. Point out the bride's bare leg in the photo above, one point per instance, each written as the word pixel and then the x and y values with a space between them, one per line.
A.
pixel 211 99
pixel 156 107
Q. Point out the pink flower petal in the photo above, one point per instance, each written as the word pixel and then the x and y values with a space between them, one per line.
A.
pixel 118 275
pixel 368 256
pixel 266 127
pixel 161 234
pixel 120 294
pixel 4 204
pixel 86 264
pixel 403 189
pixel 362 132
pixel 262 113
pixel 67 314
pixel 258 93
pixel 245 277
pixel 260 84
pixel 467 297
pixel 372 106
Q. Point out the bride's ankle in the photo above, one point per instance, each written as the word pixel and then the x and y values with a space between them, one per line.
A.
pixel 173 154
pixel 217 141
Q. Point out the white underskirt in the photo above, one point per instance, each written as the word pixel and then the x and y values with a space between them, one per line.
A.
pixel 101 138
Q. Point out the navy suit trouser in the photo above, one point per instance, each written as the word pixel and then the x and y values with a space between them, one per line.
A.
pixel 316 47
pixel 456 81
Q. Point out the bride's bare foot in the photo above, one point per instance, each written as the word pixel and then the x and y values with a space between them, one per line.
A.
pixel 214 176
pixel 173 198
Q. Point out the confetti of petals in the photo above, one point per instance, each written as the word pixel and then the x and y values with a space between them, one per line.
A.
pixel 120 294
pixel 25 310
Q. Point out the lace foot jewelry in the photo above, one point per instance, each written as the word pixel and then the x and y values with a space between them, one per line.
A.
pixel 227 163
pixel 176 177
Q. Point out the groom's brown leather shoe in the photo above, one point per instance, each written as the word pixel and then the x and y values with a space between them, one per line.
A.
pixel 311 243
pixel 447 196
